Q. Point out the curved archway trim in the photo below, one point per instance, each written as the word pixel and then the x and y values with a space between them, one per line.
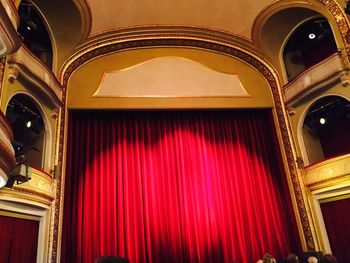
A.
pixel 235 52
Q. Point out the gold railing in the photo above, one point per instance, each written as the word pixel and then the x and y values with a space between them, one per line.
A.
pixel 334 171
pixel 25 64
pixel 315 78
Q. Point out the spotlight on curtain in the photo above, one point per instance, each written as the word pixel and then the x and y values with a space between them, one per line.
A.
pixel 175 187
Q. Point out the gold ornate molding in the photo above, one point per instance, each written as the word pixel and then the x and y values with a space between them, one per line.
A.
pixel 159 32
pixel 39 189
pixel 328 71
pixel 24 64
pixel 328 172
pixel 339 15
pixel 341 19
pixel 237 52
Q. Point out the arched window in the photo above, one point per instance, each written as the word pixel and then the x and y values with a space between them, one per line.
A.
pixel 28 128
pixel 326 128
pixel 308 45
pixel 34 33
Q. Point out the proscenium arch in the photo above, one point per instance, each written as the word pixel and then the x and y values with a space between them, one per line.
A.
pixel 237 52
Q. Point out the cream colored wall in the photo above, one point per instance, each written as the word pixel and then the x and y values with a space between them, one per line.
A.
pixel 85 81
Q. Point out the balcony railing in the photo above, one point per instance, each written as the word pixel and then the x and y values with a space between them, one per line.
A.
pixel 329 172
pixel 315 78
pixel 25 64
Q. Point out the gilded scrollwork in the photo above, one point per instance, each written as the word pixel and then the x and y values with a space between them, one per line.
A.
pixel 176 41
pixel 200 44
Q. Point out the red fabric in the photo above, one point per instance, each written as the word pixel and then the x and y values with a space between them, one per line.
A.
pixel 336 216
pixel 18 239
pixel 175 187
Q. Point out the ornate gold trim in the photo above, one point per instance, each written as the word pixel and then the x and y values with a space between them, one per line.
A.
pixel 33 192
pixel 327 162
pixel 342 21
pixel 25 194
pixel 160 32
pixel 234 51
pixel 334 198
pixel 18 215
pixel 24 64
pixel 126 43
pixel 339 16
pixel 338 181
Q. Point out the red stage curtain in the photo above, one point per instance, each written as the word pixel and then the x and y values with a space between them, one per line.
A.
pixel 18 239
pixel 336 216
pixel 175 187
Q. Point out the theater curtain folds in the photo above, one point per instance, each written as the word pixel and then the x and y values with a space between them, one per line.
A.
pixel 18 239
pixel 201 186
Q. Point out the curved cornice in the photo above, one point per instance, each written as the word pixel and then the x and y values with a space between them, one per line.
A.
pixel 85 17
pixel 159 32
pixel 26 65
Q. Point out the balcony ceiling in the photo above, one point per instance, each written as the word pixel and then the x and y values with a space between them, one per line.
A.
pixel 231 16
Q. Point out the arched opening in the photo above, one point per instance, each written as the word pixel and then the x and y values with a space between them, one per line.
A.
pixel 326 128
pixel 309 44
pixel 34 33
pixel 28 128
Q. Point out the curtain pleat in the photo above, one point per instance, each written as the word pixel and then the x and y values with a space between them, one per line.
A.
pixel 204 186
pixel 336 216
pixel 18 239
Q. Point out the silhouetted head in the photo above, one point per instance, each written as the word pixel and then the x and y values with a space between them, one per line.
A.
pixel 269 259
pixel 292 258
pixel 112 259
pixel 328 258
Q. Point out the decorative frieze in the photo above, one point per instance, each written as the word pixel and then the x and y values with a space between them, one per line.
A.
pixel 327 172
